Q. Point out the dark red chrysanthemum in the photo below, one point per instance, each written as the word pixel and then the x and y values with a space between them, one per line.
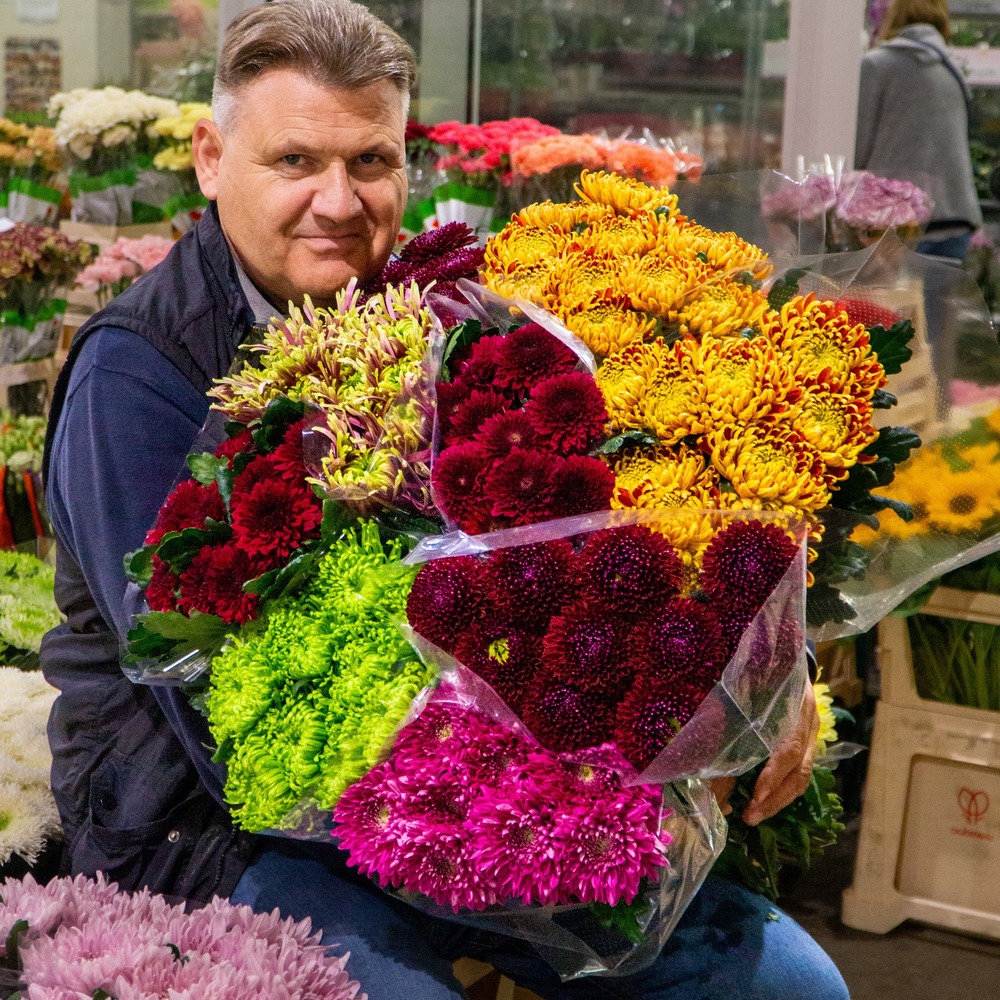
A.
pixel 744 563
pixel 563 718
pixel 586 647
pixel 240 442
pixel 258 470
pixel 213 584
pixel 468 418
pixel 458 480
pixel 683 642
pixel 188 506
pixel 451 396
pixel 287 458
pixel 520 486
pixel 581 484
pixel 629 566
pixel 501 433
pixel 568 412
pixel 447 596
pixel 505 656
pixel 274 518
pixel 478 369
pixel 650 716
pixel 161 590
pixel 733 624
pixel 532 582
pixel 530 354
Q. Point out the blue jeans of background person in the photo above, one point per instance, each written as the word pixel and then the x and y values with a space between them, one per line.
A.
pixel 729 945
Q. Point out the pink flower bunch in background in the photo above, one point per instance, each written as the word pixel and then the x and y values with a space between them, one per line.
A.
pixel 115 268
pixel 83 936
pixel 867 201
pixel 470 814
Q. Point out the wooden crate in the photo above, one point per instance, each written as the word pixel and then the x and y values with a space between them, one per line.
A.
pixel 481 976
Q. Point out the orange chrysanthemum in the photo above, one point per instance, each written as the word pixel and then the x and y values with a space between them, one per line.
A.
pixel 564 216
pixel 837 425
pixel 523 245
pixel 659 284
pixel 723 251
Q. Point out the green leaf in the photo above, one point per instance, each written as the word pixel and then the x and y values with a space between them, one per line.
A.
pixel 895 443
pixel 139 565
pixel 337 518
pixel 274 422
pixel 623 918
pixel 459 339
pixel 288 578
pixel 12 946
pixel 200 630
pixel 178 548
pixel 204 466
pixel 100 994
pixel 824 604
pixel 178 955
pixel 892 345
pixel 883 400
pixel 845 560
pixel 785 288
pixel 630 439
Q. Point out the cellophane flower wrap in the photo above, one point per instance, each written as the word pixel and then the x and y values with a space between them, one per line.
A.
pixel 82 937
pixel 29 162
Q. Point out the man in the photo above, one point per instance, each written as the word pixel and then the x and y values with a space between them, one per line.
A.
pixel 305 165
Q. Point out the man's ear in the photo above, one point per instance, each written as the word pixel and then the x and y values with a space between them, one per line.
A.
pixel 206 148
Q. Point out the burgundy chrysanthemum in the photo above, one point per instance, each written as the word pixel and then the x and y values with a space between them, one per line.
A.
pixel 586 647
pixel 650 716
pixel 161 589
pixel 505 656
pixel 581 484
pixel 744 563
pixel 466 420
pixel 519 486
pixel 683 642
pixel 451 396
pixel 504 432
pixel 629 566
pixel 213 584
pixel 532 582
pixel 458 480
pixel 425 248
pixel 562 717
pixel 275 518
pixel 530 354
pixel 568 412
pixel 463 263
pixel 478 369
pixel 447 596
pixel 188 506
pixel 287 458
pixel 239 442
pixel 260 469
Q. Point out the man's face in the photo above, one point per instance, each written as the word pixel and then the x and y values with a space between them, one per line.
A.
pixel 310 182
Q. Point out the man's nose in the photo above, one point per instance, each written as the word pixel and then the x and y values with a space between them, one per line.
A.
pixel 335 197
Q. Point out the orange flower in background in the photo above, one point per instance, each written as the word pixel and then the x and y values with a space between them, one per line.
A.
pixel 554 151
pixel 657 167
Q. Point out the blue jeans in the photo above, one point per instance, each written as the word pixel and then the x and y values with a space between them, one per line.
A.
pixel 729 945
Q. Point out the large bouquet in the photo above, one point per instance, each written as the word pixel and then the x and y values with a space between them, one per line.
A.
pixel 185 207
pixel 35 263
pixel 29 161
pixel 512 722
pixel 108 138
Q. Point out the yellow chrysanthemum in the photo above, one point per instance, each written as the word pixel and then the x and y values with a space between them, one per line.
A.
pixel 605 322
pixel 963 501
pixel 565 217
pixel 624 194
pixel 770 463
pixel 721 308
pixel 675 402
pixel 744 380
pixel 827 734
pixel 637 234
pixel 515 281
pixel 523 245
pixel 647 477
pixel 722 251
pixel 623 377
pixel 659 284
pixel 823 344
pixel 580 273
pixel 837 425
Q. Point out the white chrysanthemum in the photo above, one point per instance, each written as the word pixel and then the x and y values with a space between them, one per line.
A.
pixel 28 818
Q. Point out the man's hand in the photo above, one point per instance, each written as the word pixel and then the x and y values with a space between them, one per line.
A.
pixel 786 775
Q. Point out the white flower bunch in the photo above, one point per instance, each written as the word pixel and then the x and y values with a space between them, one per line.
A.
pixel 88 119
pixel 28 814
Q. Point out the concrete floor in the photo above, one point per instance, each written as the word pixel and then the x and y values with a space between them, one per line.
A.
pixel 912 962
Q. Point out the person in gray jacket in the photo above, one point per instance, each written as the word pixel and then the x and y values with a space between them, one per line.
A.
pixel 913 120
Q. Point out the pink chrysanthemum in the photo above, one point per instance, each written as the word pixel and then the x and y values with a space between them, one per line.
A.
pixel 568 412
pixel 520 486
pixel 529 355
pixel 630 566
pixel 505 656
pixel 469 417
pixel 581 484
pixel 682 642
pixel 447 596
pixel 585 647
pixel 563 718
pixel 651 715
pixel 213 584
pixel 501 433
pixel 275 518
pixel 744 563
pixel 459 480
pixel 439 864
pixel 532 582
pixel 188 506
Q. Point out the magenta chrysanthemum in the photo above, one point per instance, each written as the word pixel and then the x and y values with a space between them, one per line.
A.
pixel 586 648
pixel 520 486
pixel 532 582
pixel 438 862
pixel 744 563
pixel 682 642
pixel 580 485
pixel 503 432
pixel 446 597
pixel 458 481
pixel 469 417
pixel 563 718
pixel 505 656
pixel 629 566
pixel 370 823
pixel 568 412
pixel 650 716
pixel 530 354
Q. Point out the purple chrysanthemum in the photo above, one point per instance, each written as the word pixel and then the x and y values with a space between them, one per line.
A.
pixel 651 715
pixel 458 482
pixel 468 418
pixel 505 656
pixel 563 718
pixel 683 642
pixel 438 862
pixel 503 432
pixel 585 647
pixel 630 566
pixel 477 370
pixel 532 582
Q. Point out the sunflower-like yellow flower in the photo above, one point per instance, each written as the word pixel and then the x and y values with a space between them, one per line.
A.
pixel 722 251
pixel 523 245
pixel 660 284
pixel 624 194
pixel 963 501
pixel 993 421
pixel 675 402
pixel 827 734
pixel 822 343
pixel 837 425
pixel 770 464
pixel 745 380
pixel 605 322
pixel 721 308
pixel 565 217
pixel 623 378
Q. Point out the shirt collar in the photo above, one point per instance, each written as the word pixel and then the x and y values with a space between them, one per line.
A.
pixel 263 311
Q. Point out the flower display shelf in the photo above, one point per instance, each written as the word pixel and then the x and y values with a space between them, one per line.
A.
pixel 44 370
pixel 104 236
pixel 929 846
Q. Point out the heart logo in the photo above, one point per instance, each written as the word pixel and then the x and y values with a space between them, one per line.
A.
pixel 973 805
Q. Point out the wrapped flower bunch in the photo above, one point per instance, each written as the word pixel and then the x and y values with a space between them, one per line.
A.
pixel 117 266
pixel 81 937
pixel 185 207
pixel 29 162
pixel 108 138
pixel 35 263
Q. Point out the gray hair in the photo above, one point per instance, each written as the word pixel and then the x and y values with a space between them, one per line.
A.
pixel 337 43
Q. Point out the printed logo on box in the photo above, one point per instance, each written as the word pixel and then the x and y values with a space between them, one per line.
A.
pixel 973 805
